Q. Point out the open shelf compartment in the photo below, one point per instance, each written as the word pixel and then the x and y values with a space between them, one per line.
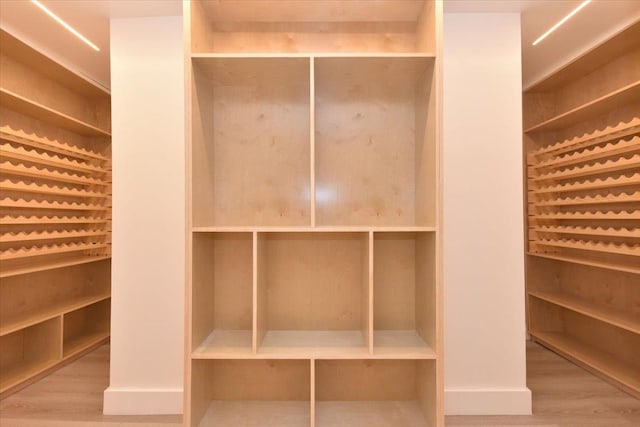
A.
pixel 28 352
pixel 375 151
pixel 250 147
pixel 404 294
pixel 313 26
pixel 222 298
pixel 86 327
pixel 312 294
pixel 604 349
pixel 251 393
pixel 29 299
pixel 375 393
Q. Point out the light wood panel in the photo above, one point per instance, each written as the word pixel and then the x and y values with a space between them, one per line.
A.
pixel 366 108
pixel 259 110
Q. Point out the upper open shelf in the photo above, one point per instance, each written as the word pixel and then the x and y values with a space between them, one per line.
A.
pixel 313 26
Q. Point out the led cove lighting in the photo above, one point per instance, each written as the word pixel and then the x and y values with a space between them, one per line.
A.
pixel 65 25
pixel 562 21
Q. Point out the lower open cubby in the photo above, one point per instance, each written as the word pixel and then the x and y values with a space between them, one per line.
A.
pixel 308 392
pixel 85 327
pixel 265 393
pixel 28 352
pixel 601 347
pixel 312 293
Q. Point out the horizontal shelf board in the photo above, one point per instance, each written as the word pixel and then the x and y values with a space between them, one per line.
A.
pixel 45 159
pixel 303 11
pixel 27 319
pixel 611 182
pixel 609 166
pixel 582 261
pixel 49 250
pixel 369 413
pixel 19 186
pixel 590 231
pixel 225 343
pixel 81 343
pixel 45 220
pixel 49 235
pixel 45 205
pixel 311 344
pixel 319 229
pixel 406 343
pixel 609 248
pixel 18 374
pixel 609 133
pixel 591 200
pixel 33 109
pixel 591 109
pixel 7 168
pixel 607 315
pixel 624 41
pixel 594 359
pixel 43 143
pixel 52 265
pixel 254 413
pixel 618 148
pixel 592 216
pixel 251 55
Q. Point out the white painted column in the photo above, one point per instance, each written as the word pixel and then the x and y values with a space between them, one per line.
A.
pixel 485 370
pixel 147 341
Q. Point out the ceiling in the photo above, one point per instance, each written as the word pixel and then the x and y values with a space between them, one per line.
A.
pixel 596 22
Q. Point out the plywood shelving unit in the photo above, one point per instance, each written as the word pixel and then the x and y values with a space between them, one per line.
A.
pixel 314 208
pixel 582 139
pixel 55 214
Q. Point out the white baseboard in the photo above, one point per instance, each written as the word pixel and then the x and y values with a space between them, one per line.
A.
pixel 127 401
pixel 487 401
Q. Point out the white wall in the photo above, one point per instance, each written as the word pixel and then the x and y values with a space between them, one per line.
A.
pixel 485 371
pixel 147 83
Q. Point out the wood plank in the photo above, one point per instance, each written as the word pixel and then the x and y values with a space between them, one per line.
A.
pixel 10 185
pixel 43 158
pixel 49 235
pixel 630 215
pixel 612 248
pixel 81 343
pixel 609 315
pixel 591 109
pixel 44 143
pixel 590 200
pixel 617 148
pixel 610 182
pixel 225 343
pixel 33 109
pixel 8 168
pixel 18 374
pixel 310 229
pixel 46 205
pixel 619 164
pixel 582 261
pixel 36 251
pixel 589 231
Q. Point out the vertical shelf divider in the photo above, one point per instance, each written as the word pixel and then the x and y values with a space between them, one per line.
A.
pixel 312 140
pixel 312 394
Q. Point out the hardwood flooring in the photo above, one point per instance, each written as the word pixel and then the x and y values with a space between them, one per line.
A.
pixel 563 395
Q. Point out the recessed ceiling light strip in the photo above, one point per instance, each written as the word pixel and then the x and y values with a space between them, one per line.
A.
pixel 65 25
pixel 562 21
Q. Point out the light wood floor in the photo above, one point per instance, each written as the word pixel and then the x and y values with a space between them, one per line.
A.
pixel 563 395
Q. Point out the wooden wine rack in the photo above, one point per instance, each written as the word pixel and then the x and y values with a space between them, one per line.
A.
pixel 582 169
pixel 55 214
